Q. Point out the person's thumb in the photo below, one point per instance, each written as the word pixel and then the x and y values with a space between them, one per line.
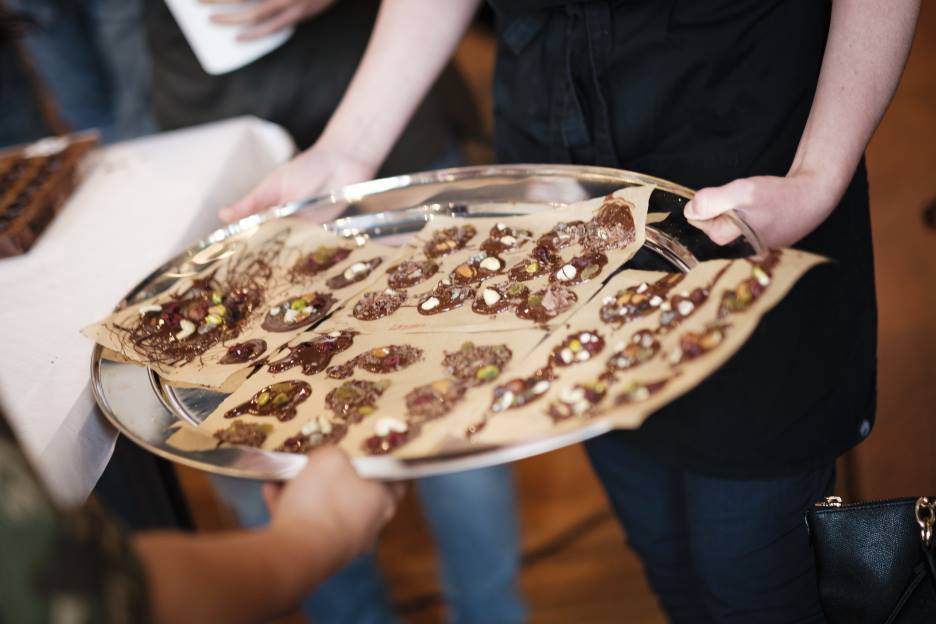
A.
pixel 710 202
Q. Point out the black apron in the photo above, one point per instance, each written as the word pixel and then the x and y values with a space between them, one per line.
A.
pixel 702 92
pixel 297 86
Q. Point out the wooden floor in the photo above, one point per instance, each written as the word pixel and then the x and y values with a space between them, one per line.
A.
pixel 588 574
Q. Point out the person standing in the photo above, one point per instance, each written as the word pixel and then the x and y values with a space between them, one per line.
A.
pixel 472 514
pixel 767 107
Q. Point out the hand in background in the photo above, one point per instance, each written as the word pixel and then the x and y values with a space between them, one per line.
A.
pixel 267 16
pixel 329 504
pixel 781 210
pixel 314 171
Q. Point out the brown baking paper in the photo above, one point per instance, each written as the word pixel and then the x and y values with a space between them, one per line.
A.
pixel 533 421
pixel 391 403
pixel 408 318
pixel 285 242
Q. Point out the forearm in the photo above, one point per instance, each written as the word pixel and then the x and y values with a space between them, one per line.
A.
pixel 411 43
pixel 867 48
pixel 230 577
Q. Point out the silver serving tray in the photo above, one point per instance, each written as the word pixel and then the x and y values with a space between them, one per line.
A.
pixel 144 409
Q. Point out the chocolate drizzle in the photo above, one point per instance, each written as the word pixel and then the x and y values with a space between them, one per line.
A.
pixel 379 360
pixel 546 304
pixel 434 400
pixel 477 269
pixel 443 298
pixel 445 241
pixel 495 298
pixel 244 352
pixel 314 434
pixel 410 272
pixel 278 400
pixel 505 238
pixel 612 227
pixel 319 261
pixel 578 400
pixel 355 399
pixel 297 312
pixel 750 290
pixel 314 355
pixel 577 347
pixel 357 272
pixel 375 305
pixel 244 434
pixel 580 269
pixel 562 235
pixel 642 347
pixel 638 301
pixel 211 311
pixel 475 365
pixel 542 260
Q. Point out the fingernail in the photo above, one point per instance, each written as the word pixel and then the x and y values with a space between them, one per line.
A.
pixel 226 214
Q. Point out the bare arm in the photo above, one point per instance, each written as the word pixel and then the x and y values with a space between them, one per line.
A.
pixel 321 520
pixel 412 41
pixel 867 48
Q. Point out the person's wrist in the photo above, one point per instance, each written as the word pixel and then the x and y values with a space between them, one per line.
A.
pixel 303 553
pixel 351 151
pixel 827 182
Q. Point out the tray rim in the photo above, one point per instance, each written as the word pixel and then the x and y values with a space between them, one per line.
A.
pixel 383 467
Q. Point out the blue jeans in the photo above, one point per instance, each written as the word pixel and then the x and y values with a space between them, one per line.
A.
pixel 716 550
pixel 473 520
pixel 92 57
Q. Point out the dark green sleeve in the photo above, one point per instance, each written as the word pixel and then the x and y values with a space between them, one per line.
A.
pixel 57 566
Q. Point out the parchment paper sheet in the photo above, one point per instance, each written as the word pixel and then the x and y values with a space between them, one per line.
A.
pixel 300 238
pixel 391 402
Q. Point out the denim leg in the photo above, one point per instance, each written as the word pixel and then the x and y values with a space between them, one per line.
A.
pixel 355 595
pixel 751 549
pixel 121 46
pixel 474 521
pixel 649 501
pixel 66 60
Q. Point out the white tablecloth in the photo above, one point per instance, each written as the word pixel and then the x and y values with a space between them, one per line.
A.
pixel 138 204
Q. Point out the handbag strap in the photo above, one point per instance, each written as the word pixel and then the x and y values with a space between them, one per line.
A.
pixel 925 512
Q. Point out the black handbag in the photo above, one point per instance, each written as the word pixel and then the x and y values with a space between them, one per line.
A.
pixel 876 561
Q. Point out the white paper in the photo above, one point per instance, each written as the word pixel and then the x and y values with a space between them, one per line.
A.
pixel 215 45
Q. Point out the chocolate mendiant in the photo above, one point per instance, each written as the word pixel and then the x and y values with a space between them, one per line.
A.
pixel 314 355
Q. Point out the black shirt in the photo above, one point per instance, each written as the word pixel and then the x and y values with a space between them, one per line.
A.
pixel 702 92
pixel 297 86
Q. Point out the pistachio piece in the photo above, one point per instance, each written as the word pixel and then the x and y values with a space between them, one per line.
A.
pixel 590 271
pixel 263 398
pixel 281 399
pixel 488 372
